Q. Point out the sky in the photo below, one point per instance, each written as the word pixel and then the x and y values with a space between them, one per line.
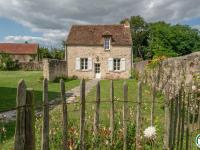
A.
pixel 48 22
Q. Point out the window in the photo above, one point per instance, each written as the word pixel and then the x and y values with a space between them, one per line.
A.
pixel 107 43
pixel 97 68
pixel 84 63
pixel 116 64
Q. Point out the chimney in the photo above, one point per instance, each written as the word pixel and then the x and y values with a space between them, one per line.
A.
pixel 126 24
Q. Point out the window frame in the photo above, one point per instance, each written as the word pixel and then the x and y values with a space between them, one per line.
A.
pixel 107 42
pixel 116 64
pixel 83 64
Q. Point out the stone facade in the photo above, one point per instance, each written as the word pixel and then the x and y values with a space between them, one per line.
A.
pixel 101 56
pixel 53 68
pixel 171 72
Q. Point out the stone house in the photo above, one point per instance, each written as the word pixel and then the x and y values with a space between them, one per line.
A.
pixel 20 52
pixel 99 51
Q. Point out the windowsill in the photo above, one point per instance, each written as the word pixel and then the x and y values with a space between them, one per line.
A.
pixel 87 70
pixel 118 71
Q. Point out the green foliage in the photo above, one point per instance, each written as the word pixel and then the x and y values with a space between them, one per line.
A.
pixel 57 54
pixel 6 62
pixel 162 39
pixel 53 53
pixel 140 33
pixel 57 79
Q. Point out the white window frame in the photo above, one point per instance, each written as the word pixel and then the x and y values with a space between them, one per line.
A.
pixel 116 64
pixel 83 63
pixel 105 42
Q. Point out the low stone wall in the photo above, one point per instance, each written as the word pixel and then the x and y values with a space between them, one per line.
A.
pixel 171 72
pixel 53 68
pixel 31 66
pixel 140 66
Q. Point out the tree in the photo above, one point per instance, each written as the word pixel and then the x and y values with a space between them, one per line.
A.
pixel 140 34
pixel 44 53
pixel 161 38
pixel 173 40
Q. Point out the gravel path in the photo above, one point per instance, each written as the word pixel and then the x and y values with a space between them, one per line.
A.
pixel 71 96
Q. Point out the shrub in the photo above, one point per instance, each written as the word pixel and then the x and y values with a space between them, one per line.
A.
pixel 57 79
pixel 6 62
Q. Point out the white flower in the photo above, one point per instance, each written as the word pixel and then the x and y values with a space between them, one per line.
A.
pixel 194 88
pixel 150 133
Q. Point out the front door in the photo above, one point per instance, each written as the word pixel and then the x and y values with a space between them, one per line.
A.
pixel 97 71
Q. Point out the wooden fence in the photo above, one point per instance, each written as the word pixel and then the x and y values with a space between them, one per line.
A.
pixel 181 117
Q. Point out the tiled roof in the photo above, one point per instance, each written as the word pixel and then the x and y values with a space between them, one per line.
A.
pixel 18 48
pixel 93 34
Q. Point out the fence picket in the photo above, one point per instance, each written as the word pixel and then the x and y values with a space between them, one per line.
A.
pixel 125 115
pixel 82 114
pixel 29 121
pixel 183 120
pixel 20 136
pixel 96 114
pixel 45 124
pixel 64 112
pixel 167 123
pixel 188 122
pixel 179 118
pixel 138 117
pixel 153 104
pixel 112 111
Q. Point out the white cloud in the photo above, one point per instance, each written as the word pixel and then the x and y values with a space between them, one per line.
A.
pixel 54 17
pixel 196 27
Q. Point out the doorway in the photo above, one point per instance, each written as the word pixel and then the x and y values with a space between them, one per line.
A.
pixel 97 71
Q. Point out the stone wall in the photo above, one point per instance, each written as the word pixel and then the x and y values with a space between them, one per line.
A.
pixel 53 68
pixel 31 66
pixel 99 55
pixel 171 72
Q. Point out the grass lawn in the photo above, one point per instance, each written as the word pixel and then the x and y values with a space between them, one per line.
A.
pixel 56 119
pixel 9 81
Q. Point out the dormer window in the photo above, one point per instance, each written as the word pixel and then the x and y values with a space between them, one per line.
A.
pixel 107 43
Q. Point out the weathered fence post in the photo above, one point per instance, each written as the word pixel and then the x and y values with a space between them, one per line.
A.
pixel 183 120
pixel 175 122
pixel 138 117
pixel 20 120
pixel 188 122
pixel 125 113
pixel 45 124
pixel 64 111
pixel 29 121
pixel 179 117
pixel 153 103
pixel 167 123
pixel 82 114
pixel 112 111
pixel 96 114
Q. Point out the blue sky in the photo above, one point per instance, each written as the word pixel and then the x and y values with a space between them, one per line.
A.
pixel 48 21
pixel 9 27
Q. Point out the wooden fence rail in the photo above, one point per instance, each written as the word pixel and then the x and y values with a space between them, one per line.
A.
pixel 177 123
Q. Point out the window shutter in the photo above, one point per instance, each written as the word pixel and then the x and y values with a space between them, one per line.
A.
pixel 123 64
pixel 89 63
pixel 110 64
pixel 78 64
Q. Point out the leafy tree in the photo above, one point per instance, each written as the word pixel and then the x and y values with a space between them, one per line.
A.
pixel 161 38
pixel 44 53
pixel 140 34
pixel 6 62
pixel 57 53
pixel 173 40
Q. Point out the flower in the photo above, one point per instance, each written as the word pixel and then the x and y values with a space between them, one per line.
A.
pixel 150 133
pixel 194 88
